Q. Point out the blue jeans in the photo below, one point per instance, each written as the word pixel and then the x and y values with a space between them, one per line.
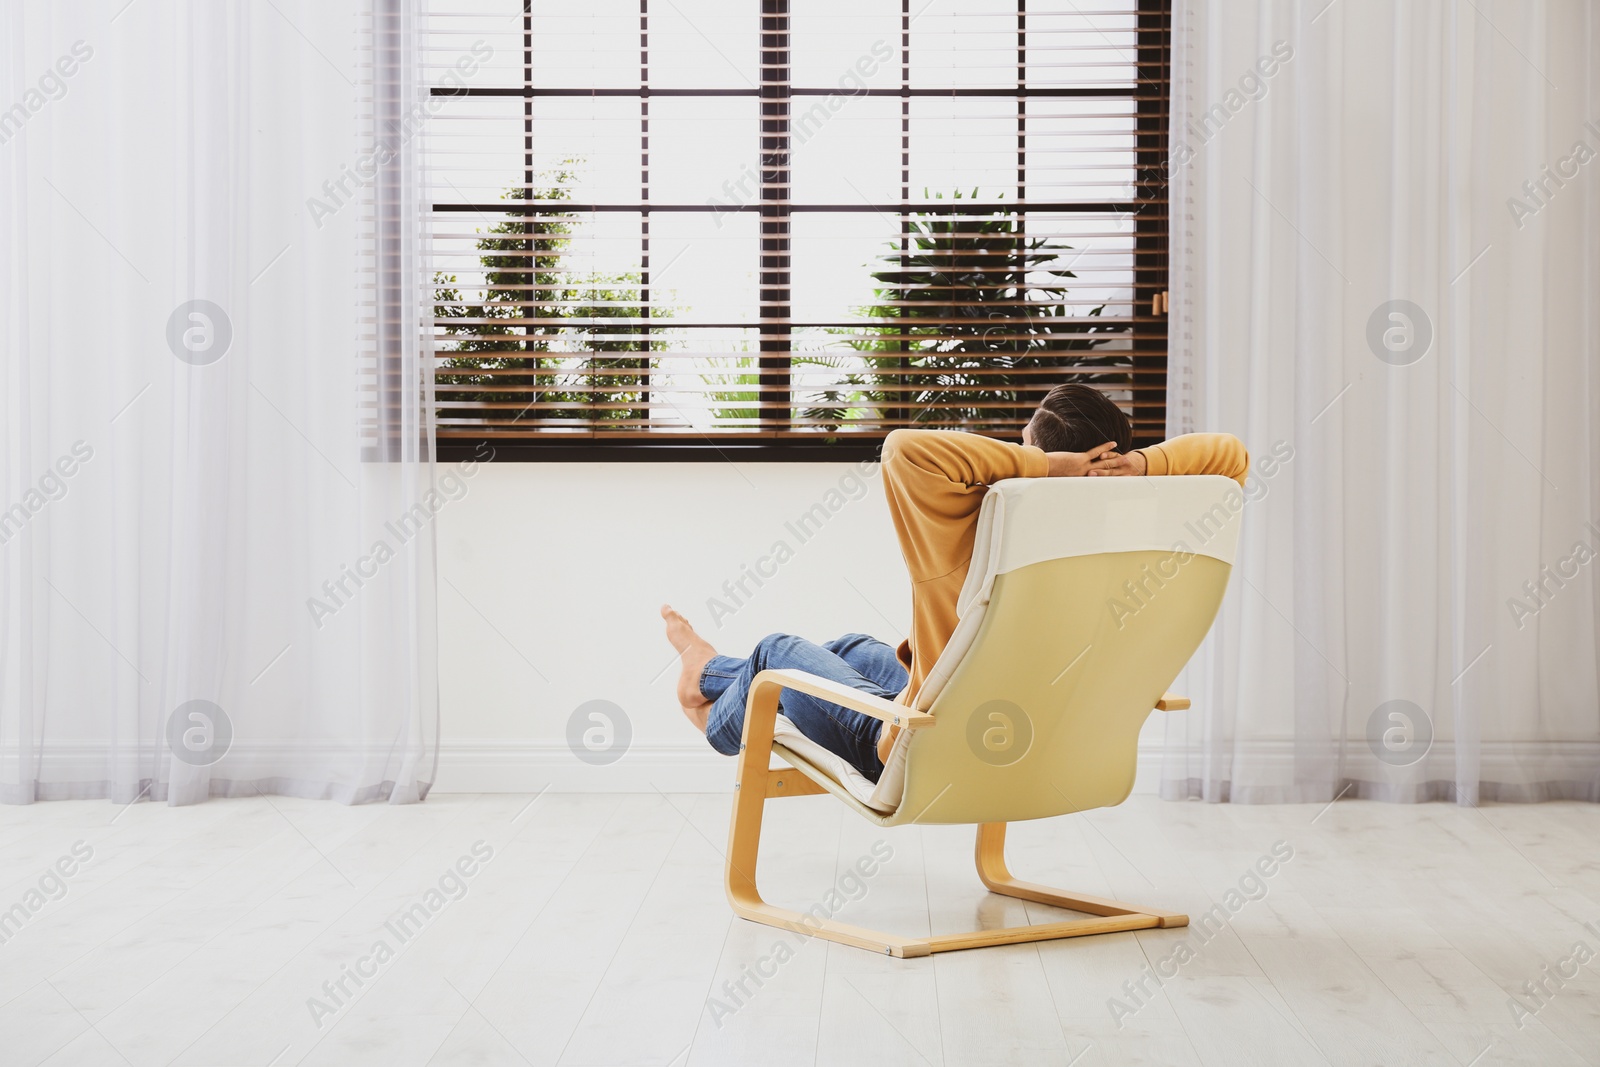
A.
pixel 859 661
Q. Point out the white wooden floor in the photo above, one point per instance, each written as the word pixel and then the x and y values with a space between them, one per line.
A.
pixel 596 933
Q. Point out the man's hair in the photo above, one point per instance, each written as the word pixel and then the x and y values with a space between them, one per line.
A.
pixel 1076 418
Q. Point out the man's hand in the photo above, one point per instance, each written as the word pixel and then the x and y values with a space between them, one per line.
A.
pixel 1133 464
pixel 1077 464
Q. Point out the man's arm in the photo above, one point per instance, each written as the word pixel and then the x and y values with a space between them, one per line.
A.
pixel 1190 453
pixel 1199 453
pixel 935 481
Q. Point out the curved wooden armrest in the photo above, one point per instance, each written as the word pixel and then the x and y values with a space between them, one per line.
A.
pixel 845 696
pixel 1172 702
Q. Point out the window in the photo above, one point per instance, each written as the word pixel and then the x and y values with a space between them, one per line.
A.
pixel 783 228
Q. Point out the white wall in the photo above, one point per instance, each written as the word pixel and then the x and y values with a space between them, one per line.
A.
pixel 552 575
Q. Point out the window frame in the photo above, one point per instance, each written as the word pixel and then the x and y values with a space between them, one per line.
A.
pixel 1149 210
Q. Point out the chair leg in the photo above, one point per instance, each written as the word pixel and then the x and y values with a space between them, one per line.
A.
pixel 991 858
pixel 744 845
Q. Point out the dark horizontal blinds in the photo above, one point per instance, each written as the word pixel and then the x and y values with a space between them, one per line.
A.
pixel 759 221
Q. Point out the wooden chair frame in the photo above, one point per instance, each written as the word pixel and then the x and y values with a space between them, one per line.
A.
pixel 758 782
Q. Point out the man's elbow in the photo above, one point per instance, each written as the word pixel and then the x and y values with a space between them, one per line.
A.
pixel 903 448
pixel 1240 459
pixel 892 444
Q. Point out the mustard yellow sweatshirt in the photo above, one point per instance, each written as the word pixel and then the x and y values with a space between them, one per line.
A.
pixel 935 481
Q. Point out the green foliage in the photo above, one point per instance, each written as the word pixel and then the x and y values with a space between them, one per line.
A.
pixel 516 347
pixel 737 387
pixel 962 314
pixel 969 318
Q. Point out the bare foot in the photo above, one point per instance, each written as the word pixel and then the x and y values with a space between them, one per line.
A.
pixel 694 651
pixel 698 715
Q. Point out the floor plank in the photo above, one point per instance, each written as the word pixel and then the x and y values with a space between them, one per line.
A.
pixel 598 933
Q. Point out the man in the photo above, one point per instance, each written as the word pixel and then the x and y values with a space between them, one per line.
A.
pixel 935 481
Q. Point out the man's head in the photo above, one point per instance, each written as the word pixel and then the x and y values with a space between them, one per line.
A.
pixel 1076 418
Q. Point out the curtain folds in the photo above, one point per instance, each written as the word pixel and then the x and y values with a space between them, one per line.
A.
pixel 217 548
pixel 1386 258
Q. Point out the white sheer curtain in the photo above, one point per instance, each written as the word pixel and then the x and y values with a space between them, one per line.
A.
pixel 215 409
pixel 1420 556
